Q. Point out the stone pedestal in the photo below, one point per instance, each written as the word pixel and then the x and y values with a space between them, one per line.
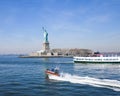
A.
pixel 46 47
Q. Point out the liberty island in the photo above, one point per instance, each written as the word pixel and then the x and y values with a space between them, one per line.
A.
pixel 46 52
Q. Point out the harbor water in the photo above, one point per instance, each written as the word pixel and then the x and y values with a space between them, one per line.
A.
pixel 26 77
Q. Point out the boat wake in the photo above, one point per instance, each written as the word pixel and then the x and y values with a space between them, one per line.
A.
pixel 105 83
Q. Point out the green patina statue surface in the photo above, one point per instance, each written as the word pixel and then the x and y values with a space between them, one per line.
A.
pixel 45 35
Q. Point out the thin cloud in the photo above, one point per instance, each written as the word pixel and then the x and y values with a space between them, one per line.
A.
pixel 99 19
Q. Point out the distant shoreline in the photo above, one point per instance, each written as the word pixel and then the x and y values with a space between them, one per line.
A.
pixel 45 56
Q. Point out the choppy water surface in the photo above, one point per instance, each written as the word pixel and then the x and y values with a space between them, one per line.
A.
pixel 25 77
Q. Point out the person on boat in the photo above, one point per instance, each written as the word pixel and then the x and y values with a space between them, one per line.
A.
pixel 47 70
pixel 52 69
pixel 56 71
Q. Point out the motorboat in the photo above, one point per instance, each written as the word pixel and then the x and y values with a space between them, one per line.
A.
pixel 53 72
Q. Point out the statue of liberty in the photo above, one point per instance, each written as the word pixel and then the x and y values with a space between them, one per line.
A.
pixel 45 35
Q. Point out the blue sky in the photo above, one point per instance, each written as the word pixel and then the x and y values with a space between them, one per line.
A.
pixel 89 24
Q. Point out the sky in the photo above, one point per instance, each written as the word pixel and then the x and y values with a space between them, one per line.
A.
pixel 84 24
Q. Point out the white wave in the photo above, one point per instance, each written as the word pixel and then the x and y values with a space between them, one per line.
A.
pixel 106 83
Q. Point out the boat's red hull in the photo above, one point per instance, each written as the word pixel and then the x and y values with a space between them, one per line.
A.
pixel 51 73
